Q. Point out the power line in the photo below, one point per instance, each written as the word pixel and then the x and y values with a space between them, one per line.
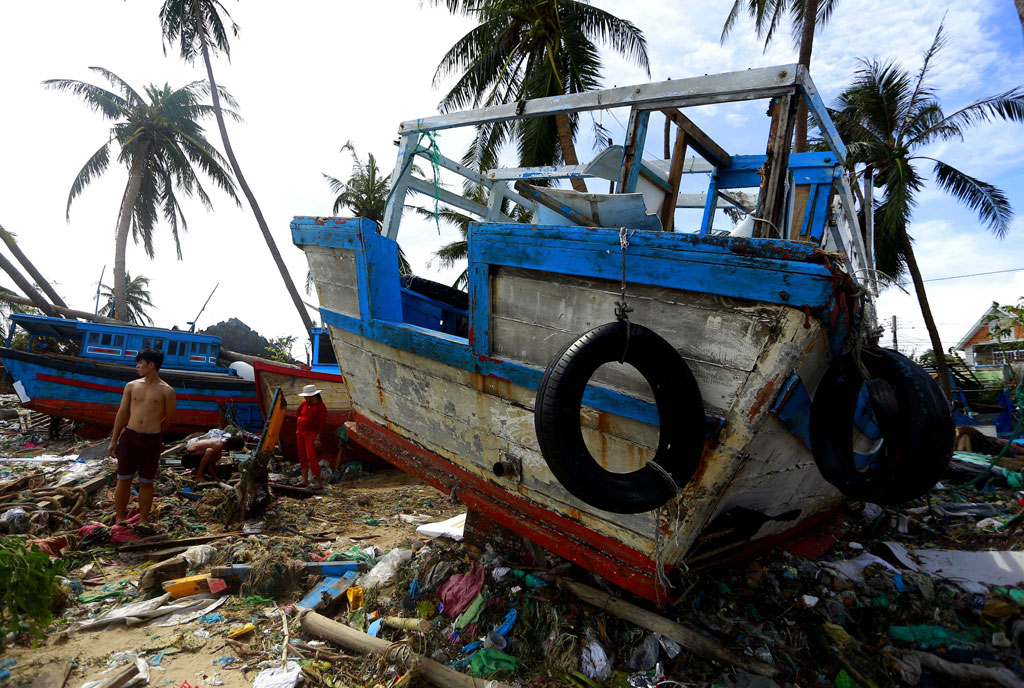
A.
pixel 974 274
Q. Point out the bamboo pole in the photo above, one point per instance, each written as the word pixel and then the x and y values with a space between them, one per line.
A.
pixel 405 624
pixel 687 637
pixel 351 639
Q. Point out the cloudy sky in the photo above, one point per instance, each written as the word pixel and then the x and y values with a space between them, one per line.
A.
pixel 317 74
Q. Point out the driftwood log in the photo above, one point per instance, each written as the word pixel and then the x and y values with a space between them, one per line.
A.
pixel 971 439
pixel 690 639
pixel 351 639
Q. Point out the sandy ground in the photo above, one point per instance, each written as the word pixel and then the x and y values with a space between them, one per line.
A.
pixel 339 514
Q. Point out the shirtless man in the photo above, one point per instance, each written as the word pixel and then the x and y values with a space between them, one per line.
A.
pixel 147 409
pixel 211 451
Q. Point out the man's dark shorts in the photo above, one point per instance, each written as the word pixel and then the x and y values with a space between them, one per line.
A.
pixel 138 453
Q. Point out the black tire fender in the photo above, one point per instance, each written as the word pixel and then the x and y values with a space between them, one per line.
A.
pixel 915 419
pixel 680 416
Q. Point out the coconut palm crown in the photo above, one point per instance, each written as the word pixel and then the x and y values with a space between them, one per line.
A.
pixel 164 147
pixel 888 119
pixel 525 49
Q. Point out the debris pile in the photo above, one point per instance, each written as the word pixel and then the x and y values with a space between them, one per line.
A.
pixel 369 583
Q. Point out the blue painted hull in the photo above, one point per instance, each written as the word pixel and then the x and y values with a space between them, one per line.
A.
pixel 91 393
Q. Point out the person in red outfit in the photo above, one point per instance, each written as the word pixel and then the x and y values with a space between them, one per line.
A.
pixel 309 423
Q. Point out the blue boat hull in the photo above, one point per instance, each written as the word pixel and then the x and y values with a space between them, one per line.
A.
pixel 91 393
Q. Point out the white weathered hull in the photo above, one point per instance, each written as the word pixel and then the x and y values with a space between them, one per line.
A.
pixel 740 352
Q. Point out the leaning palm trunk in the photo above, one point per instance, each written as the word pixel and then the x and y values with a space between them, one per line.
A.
pixel 131 194
pixel 1020 12
pixel 292 291
pixel 30 268
pixel 568 149
pixel 926 313
pixel 36 298
pixel 70 313
pixel 806 46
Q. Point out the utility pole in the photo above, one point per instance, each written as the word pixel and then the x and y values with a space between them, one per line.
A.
pixel 895 344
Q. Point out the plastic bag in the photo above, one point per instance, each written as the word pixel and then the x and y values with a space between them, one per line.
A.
pixel 14 521
pixel 595 662
pixel 645 655
pixel 386 569
pixel 198 555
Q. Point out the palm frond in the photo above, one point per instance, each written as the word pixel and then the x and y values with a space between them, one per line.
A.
pixel 94 166
pixel 991 204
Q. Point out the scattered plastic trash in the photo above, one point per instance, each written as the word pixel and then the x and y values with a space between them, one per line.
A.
pixel 452 527
pixel 386 569
pixel 14 521
pixel 278 677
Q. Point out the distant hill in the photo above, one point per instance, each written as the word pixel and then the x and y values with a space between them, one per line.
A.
pixel 235 335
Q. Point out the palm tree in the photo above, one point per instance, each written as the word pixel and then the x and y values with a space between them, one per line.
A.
pixel 138 298
pixel 162 144
pixel 12 245
pixel 526 49
pixel 888 118
pixel 806 16
pixel 198 28
pixel 365 193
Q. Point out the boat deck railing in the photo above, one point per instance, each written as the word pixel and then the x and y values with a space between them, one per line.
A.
pixel 806 197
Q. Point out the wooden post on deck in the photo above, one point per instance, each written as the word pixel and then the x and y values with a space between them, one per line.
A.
pixel 675 178
pixel 775 172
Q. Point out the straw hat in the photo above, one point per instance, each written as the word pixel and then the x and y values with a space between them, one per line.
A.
pixel 309 391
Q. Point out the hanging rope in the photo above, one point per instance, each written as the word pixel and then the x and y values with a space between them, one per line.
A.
pixel 434 155
pixel 622 309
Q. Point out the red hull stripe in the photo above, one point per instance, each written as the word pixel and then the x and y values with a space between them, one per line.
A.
pixel 120 390
pixel 189 420
pixel 623 565
pixel 298 372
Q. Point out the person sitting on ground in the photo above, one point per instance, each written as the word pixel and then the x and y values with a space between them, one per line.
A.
pixel 309 423
pixel 208 452
pixel 147 410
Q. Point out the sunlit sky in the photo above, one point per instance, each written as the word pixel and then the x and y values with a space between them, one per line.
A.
pixel 310 76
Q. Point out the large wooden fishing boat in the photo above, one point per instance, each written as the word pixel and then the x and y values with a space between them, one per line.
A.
pixel 638 395
pixel 87 387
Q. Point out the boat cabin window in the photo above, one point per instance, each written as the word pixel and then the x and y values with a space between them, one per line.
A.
pixel 158 345
pixel 105 339
pixel 94 337
pixel 147 343
pixel 202 347
pixel 172 348
pixel 118 340
pixel 325 352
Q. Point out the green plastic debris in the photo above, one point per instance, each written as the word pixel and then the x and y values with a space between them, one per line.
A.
pixel 99 596
pixel 472 612
pixel 353 554
pixel 843 680
pixel 927 636
pixel 256 600
pixel 1017 595
pixel 490 661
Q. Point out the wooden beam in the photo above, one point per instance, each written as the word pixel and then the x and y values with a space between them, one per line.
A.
pixel 699 141
pixel 675 178
pixel 776 167
pixel 749 84
pixel 633 150
pixel 548 202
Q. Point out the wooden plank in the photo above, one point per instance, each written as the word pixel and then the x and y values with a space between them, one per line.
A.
pixel 633 150
pixel 328 593
pixel 293 491
pixel 334 274
pixel 700 141
pixel 399 184
pixel 750 84
pixel 675 179
pixel 776 168
pixel 445 196
pixel 547 201
pixel 162 541
pixel 53 675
